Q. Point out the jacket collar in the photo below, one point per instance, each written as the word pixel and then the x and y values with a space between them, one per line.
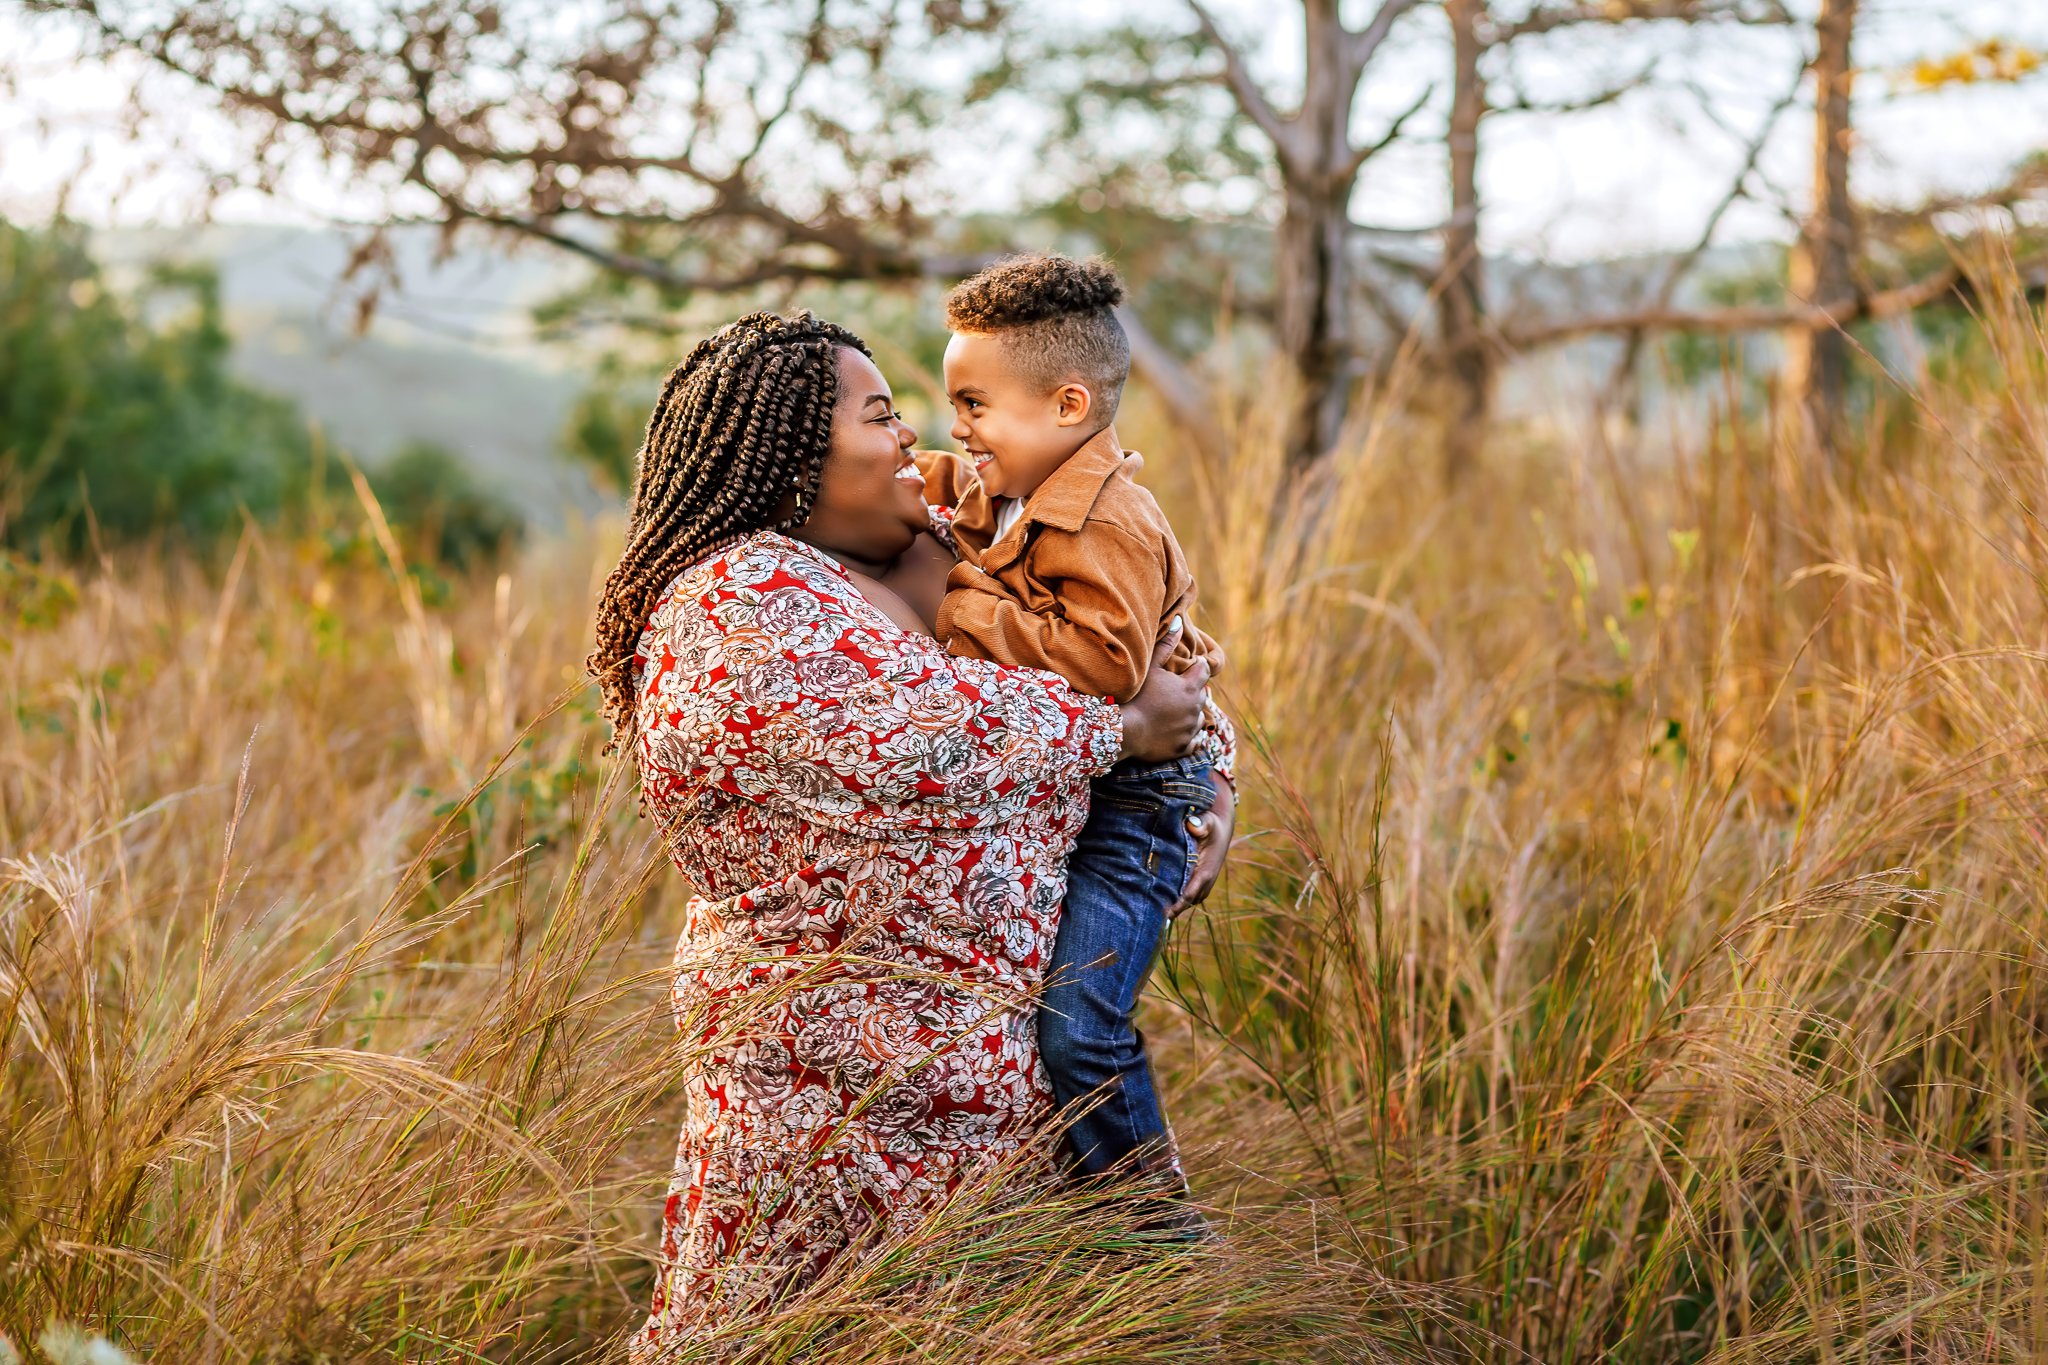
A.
pixel 1063 501
pixel 1068 495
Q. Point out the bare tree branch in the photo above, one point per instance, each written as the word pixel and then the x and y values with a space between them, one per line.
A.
pixel 1397 323
pixel 1522 104
pixel 1549 18
pixel 1364 43
pixel 613 121
pixel 898 266
pixel 1428 230
pixel 1887 303
pixel 2029 180
pixel 1245 89
pixel 1682 265
pixel 1387 139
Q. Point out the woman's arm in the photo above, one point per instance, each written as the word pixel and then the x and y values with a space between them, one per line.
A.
pixel 918 577
pixel 779 683
pixel 889 602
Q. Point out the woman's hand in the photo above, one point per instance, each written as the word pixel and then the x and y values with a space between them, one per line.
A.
pixel 1162 721
pixel 1213 832
pixel 919 577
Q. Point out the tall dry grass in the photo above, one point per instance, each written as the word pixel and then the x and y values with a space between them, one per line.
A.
pixel 1632 952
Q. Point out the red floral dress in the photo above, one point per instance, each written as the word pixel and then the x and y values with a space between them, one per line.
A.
pixel 879 833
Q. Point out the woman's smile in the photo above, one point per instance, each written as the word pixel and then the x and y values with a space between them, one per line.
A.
pixel 911 481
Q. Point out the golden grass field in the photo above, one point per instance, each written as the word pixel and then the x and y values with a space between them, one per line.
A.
pixel 1634 951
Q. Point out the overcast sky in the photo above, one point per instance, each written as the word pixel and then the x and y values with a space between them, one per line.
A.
pixel 1637 175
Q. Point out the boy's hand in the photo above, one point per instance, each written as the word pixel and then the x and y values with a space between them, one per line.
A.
pixel 1213 833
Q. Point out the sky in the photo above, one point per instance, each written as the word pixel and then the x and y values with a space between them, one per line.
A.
pixel 1639 175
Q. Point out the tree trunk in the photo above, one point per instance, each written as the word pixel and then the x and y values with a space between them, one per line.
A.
pixel 1314 257
pixel 1461 300
pixel 1314 279
pixel 1822 268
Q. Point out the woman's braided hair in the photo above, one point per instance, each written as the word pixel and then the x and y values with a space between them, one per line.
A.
pixel 741 425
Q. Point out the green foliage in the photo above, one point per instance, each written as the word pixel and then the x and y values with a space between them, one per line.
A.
pixel 33 595
pixel 118 415
pixel 604 429
pixel 119 420
pixel 430 496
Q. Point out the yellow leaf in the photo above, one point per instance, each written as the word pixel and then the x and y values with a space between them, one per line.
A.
pixel 1993 59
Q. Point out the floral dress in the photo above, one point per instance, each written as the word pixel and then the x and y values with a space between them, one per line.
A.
pixel 878 833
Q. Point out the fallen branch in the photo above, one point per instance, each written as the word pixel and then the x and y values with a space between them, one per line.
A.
pixel 1756 318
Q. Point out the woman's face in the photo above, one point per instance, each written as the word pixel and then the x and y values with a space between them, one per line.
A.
pixel 870 505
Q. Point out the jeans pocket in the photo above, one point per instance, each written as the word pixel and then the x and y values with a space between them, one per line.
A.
pixel 1188 872
pixel 1134 799
pixel 1176 838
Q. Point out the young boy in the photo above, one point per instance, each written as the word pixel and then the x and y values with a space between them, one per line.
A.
pixel 1067 564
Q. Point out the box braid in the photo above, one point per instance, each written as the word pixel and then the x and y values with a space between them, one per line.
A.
pixel 736 444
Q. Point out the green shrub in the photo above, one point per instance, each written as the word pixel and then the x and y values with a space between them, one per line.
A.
pixel 605 426
pixel 119 420
pixel 433 500
pixel 117 415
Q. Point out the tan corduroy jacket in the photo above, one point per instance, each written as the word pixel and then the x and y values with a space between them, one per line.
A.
pixel 1084 582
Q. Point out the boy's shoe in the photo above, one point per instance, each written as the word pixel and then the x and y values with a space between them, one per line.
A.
pixel 1146 1192
pixel 1165 1206
pixel 1175 1221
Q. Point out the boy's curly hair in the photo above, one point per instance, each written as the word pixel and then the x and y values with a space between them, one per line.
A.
pixel 1055 317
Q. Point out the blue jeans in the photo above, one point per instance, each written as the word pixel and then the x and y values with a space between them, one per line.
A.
pixel 1131 863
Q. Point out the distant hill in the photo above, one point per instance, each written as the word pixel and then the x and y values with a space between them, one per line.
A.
pixel 449 358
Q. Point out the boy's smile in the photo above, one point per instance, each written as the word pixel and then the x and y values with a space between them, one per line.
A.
pixel 1015 434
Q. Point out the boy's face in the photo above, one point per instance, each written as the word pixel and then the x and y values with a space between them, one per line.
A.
pixel 1015 434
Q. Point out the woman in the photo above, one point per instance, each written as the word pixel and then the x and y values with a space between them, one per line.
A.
pixel 877 830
